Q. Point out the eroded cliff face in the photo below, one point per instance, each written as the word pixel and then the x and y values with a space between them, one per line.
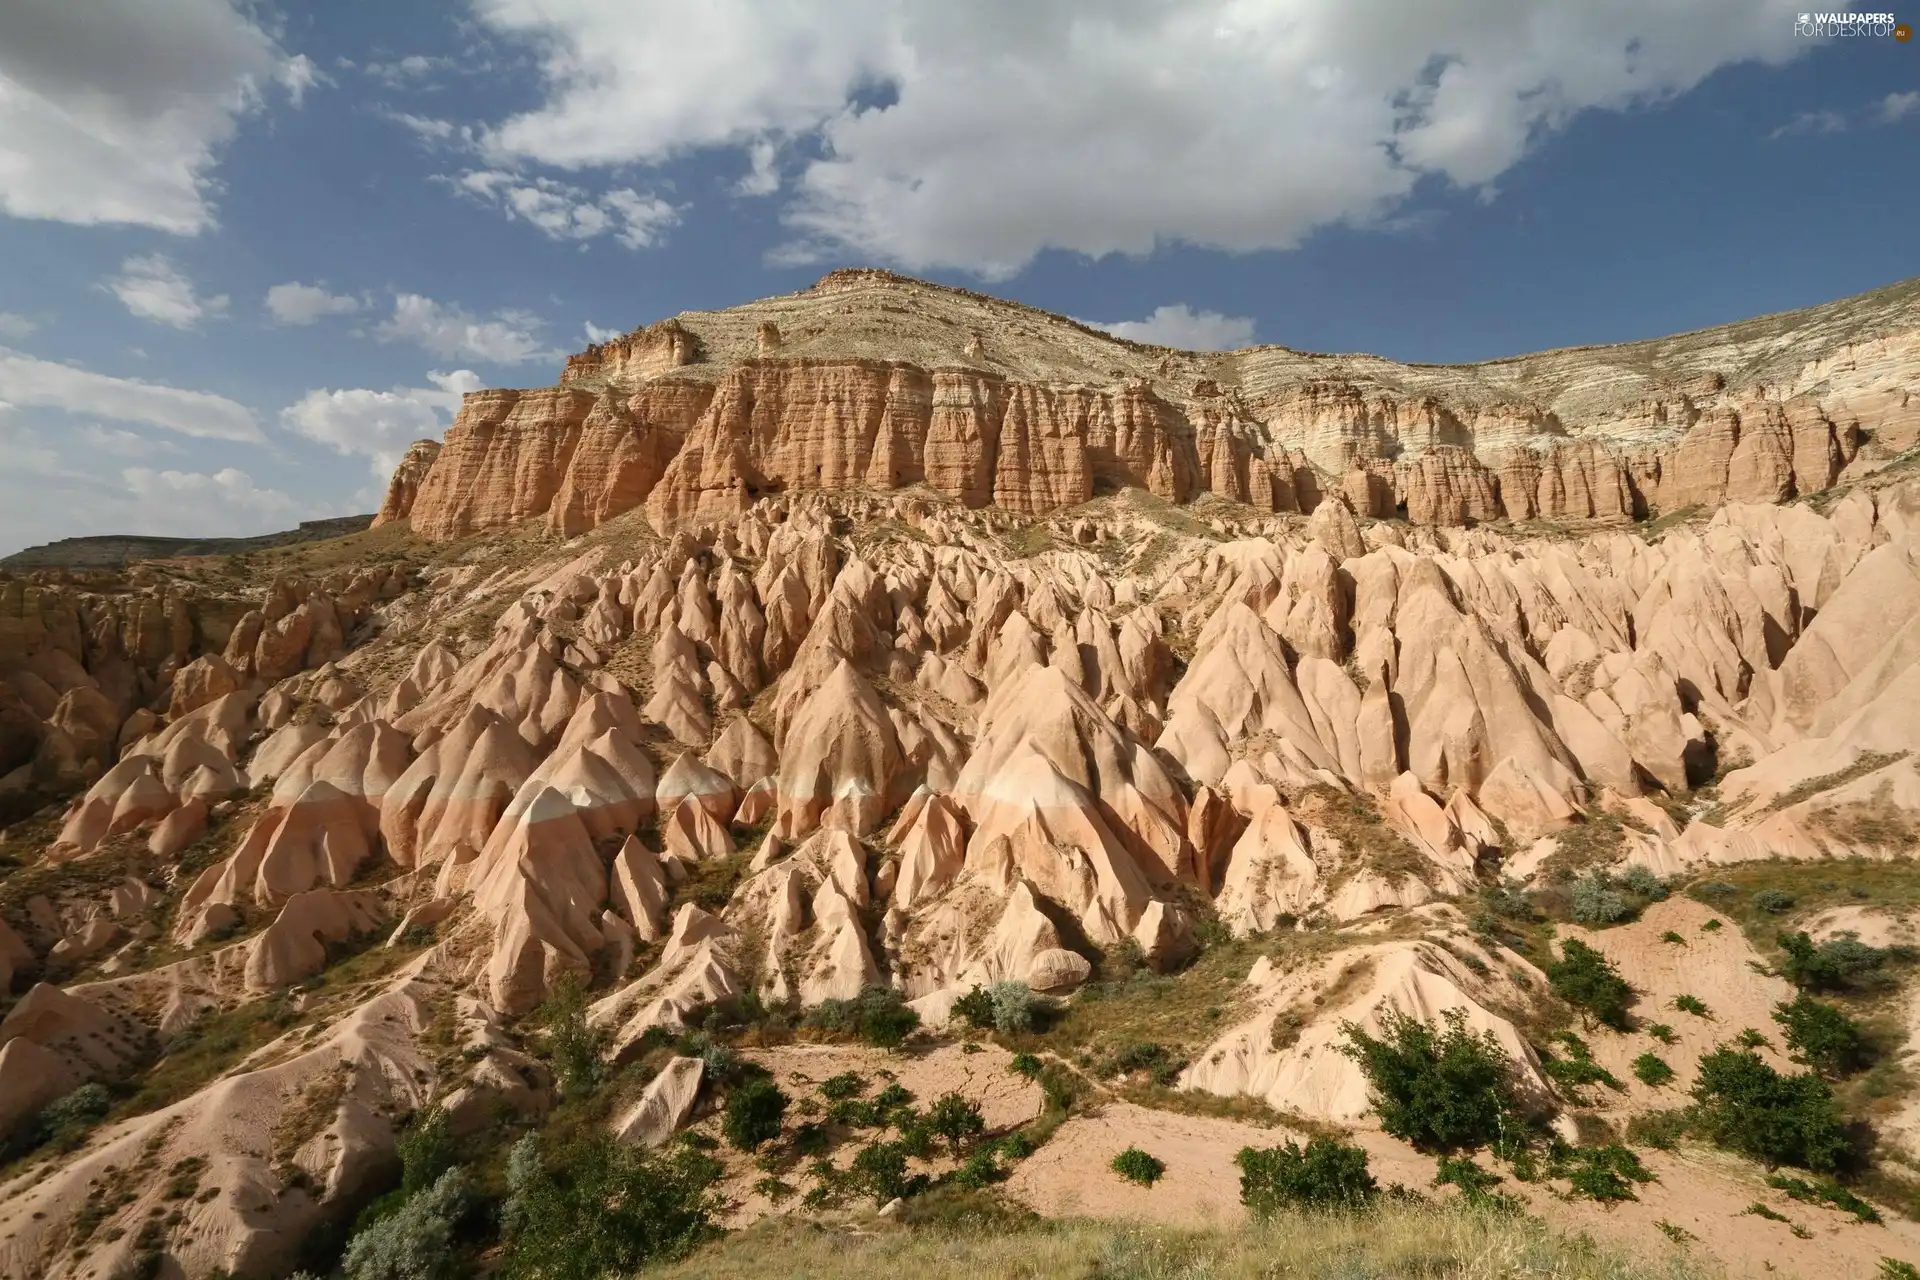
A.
pixel 873 381
pixel 404 487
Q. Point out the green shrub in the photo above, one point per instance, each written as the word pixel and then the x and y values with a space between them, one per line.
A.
pixel 1662 1032
pixel 847 1084
pixel 980 1170
pixel 880 1170
pixel 1841 963
pixel 1773 901
pixel 1895 1269
pixel 1743 1104
pixel 415 1241
pixel 878 1015
pixel 1154 1059
pixel 1324 1174
pixel 1597 902
pixel 70 1116
pixel 753 1114
pixel 1604 1173
pixel 1135 1165
pixel 975 1008
pixel 1652 1070
pixel 1691 1004
pixel 894 1095
pixel 1711 926
pixel 1013 1008
pixel 1825 1191
pixel 956 1119
pixel 1440 1091
pixel 426 1151
pixel 574 1044
pixel 1573 1069
pixel 1641 880
pixel 1587 980
pixel 1476 1184
pixel 1025 1064
pixel 1821 1036
pixel 1674 938
pixel 599 1207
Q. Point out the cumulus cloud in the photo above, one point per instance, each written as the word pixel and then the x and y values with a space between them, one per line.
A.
pixel 425 128
pixel 596 334
pixel 117 110
pixel 153 288
pixel 510 337
pixel 379 425
pixel 977 135
pixel 299 74
pixel 296 303
pixel 30 382
pixel 13 325
pixel 1898 106
pixel 565 212
pixel 1181 326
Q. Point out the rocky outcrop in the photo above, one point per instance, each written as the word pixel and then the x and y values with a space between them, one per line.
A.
pixel 404 487
pixel 699 416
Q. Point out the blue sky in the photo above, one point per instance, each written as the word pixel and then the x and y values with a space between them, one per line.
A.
pixel 248 252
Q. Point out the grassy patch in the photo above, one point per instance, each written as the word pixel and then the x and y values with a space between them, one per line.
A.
pixel 1397 1239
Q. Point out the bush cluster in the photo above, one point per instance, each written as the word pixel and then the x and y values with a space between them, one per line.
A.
pixel 1441 1090
pixel 1137 1166
pixel 1324 1174
pixel 1009 1008
pixel 1587 980
pixel 598 1207
pixel 1821 1036
pixel 1743 1104
pixel 879 1016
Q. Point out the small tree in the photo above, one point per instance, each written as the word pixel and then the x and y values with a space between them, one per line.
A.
pixel 574 1044
pixel 1596 901
pixel 599 1208
pixel 956 1119
pixel 753 1113
pixel 1841 963
pixel 1743 1104
pixel 1013 1008
pixel 426 1151
pixel 1587 980
pixel 1821 1036
pixel 1324 1174
pixel 415 1242
pixel 1441 1092
pixel 880 1169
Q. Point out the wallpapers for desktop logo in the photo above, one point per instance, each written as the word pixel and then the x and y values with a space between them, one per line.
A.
pixel 1850 25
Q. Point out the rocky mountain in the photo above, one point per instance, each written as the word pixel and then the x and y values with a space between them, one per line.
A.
pixel 837 663
pixel 875 380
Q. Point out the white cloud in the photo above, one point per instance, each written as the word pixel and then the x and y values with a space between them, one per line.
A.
pixel 153 288
pixel 401 71
pixel 122 444
pixel 296 303
pixel 190 496
pixel 379 425
pixel 30 382
pixel 1181 326
pixel 1811 124
pixel 763 175
pixel 426 128
pixel 565 212
pixel 13 325
pixel 511 337
pixel 976 135
pixel 117 110
pixel 299 74
pixel 596 334
pixel 1897 106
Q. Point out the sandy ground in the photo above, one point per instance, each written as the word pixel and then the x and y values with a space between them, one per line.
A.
pixel 1714 965
pixel 1006 1102
pixel 1702 1193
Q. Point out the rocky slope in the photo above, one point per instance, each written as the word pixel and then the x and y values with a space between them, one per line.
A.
pixel 303 845
pixel 873 380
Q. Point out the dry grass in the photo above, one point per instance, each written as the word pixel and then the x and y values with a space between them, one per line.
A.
pixel 1869 762
pixel 979 1242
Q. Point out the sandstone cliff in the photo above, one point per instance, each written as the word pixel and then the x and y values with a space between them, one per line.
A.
pixel 875 381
